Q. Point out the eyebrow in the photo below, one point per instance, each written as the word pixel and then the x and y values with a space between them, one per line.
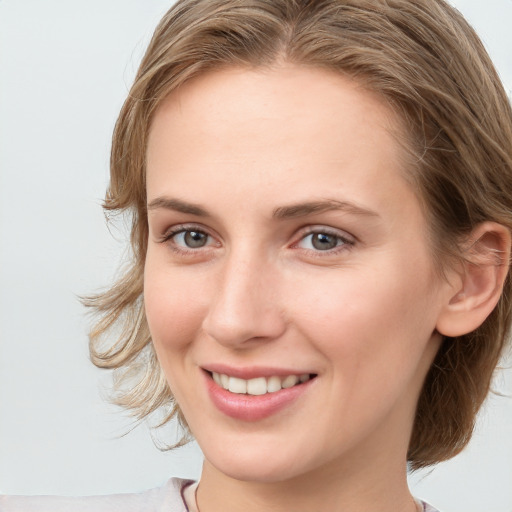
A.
pixel 282 212
pixel 177 205
pixel 315 207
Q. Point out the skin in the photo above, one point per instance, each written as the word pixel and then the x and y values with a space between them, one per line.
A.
pixel 240 145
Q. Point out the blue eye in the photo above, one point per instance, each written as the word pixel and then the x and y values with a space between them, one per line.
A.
pixel 190 238
pixel 321 241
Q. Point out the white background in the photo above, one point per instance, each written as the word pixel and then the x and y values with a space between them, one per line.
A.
pixel 65 68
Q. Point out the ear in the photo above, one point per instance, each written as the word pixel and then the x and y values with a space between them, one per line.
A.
pixel 479 282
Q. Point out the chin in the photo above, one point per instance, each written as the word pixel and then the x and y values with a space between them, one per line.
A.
pixel 255 462
pixel 260 472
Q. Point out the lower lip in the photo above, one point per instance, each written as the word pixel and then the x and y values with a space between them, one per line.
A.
pixel 253 407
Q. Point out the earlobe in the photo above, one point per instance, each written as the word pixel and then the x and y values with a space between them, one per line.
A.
pixel 480 281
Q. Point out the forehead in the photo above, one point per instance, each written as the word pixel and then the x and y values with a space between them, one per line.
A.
pixel 255 107
pixel 304 129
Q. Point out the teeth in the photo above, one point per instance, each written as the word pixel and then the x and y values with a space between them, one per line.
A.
pixel 217 379
pixel 259 385
pixel 237 385
pixel 273 384
pixel 290 381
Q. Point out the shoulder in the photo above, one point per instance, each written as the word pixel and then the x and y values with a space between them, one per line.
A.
pixel 162 499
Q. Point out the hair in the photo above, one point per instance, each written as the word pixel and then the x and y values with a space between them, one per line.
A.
pixel 428 64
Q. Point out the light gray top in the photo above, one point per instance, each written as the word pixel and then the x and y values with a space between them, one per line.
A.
pixel 167 498
pixel 427 507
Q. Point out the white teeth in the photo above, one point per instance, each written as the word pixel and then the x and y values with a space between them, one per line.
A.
pixel 290 381
pixel 273 384
pixel 237 385
pixel 258 385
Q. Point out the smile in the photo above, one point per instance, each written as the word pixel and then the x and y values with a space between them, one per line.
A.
pixel 257 397
pixel 258 385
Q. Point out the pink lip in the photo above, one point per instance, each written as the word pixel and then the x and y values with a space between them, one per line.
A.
pixel 250 407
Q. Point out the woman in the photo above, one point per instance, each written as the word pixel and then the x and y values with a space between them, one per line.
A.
pixel 321 211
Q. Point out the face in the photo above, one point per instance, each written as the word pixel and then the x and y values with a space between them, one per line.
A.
pixel 287 262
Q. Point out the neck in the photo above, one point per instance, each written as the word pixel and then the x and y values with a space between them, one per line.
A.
pixel 360 488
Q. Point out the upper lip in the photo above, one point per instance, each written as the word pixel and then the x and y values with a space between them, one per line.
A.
pixel 252 372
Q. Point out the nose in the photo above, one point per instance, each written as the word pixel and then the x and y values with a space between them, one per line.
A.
pixel 244 305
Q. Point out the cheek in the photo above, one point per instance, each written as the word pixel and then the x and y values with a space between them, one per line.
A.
pixel 373 330
pixel 372 320
pixel 173 304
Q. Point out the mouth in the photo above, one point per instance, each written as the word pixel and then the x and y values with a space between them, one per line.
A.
pixel 257 392
pixel 260 385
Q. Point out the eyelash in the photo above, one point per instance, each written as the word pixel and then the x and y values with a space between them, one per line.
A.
pixel 181 249
pixel 343 242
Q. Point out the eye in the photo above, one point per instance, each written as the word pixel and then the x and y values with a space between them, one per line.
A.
pixel 190 238
pixel 323 241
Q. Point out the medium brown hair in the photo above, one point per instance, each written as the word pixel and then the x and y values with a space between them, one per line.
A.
pixel 423 59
